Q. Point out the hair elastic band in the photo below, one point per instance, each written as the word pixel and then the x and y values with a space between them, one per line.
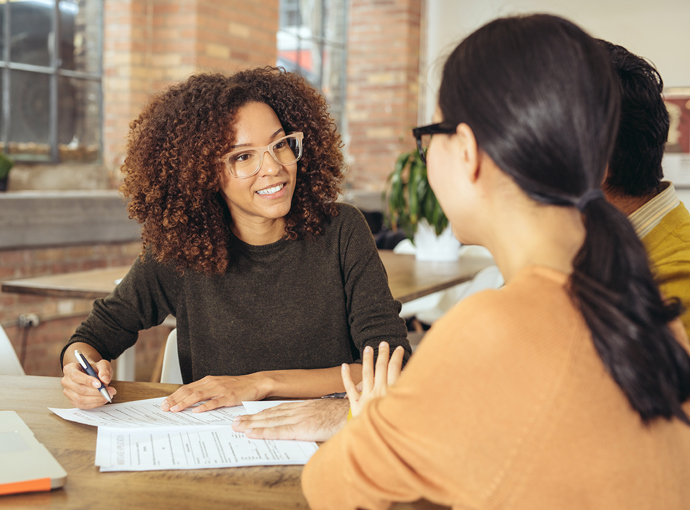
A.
pixel 587 197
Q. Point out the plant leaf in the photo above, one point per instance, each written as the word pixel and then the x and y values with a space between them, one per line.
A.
pixel 396 195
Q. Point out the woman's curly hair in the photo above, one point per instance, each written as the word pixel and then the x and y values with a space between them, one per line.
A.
pixel 172 174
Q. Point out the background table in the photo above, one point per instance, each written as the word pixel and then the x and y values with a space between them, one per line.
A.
pixel 408 278
pixel 74 445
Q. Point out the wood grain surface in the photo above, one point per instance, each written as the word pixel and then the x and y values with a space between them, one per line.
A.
pixel 408 278
pixel 74 445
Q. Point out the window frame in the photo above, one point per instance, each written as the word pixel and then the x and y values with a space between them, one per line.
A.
pixel 54 71
pixel 322 43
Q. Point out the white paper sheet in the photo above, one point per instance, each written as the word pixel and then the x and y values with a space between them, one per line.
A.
pixel 147 449
pixel 256 406
pixel 148 413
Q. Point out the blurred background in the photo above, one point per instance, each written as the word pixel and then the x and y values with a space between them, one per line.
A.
pixel 75 73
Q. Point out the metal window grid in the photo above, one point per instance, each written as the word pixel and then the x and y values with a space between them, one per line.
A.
pixel 53 71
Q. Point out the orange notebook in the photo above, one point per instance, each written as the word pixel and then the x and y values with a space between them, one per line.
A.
pixel 25 464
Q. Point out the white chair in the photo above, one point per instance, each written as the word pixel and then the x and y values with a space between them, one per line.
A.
pixel 9 362
pixel 170 372
pixel 488 278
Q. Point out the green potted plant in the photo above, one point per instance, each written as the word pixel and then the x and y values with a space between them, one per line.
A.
pixel 413 208
pixel 5 166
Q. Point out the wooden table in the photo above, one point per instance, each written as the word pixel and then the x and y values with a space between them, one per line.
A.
pixel 74 446
pixel 408 278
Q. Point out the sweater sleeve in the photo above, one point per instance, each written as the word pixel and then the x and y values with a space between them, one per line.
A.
pixel 373 314
pixel 387 452
pixel 143 299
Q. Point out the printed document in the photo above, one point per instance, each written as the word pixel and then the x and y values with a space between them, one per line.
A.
pixel 140 436
pixel 148 449
pixel 147 413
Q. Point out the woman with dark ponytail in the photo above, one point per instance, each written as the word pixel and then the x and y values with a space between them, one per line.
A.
pixel 568 387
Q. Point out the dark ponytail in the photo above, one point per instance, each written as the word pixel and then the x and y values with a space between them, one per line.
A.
pixel 542 100
pixel 620 301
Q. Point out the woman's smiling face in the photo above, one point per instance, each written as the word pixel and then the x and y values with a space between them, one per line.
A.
pixel 267 195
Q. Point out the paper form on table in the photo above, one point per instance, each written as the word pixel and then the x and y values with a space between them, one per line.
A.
pixel 256 406
pixel 148 413
pixel 147 449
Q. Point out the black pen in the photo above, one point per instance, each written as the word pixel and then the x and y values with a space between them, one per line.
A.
pixel 89 370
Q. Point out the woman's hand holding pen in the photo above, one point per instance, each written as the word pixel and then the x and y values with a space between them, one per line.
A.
pixel 82 389
pixel 374 382
pixel 218 391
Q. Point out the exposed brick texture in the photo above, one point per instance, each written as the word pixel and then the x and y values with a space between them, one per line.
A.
pixel 149 44
pixel 59 317
pixel 382 87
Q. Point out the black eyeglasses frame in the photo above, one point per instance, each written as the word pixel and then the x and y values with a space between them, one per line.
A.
pixel 439 128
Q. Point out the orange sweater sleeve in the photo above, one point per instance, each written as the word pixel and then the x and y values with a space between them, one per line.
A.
pixel 446 417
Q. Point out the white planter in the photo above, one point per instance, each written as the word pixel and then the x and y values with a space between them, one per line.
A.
pixel 429 246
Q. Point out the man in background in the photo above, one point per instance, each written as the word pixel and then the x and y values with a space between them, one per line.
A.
pixel 634 178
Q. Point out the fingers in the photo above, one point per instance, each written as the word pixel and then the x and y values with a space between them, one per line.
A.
pixel 104 369
pixel 283 414
pixel 352 392
pixel 380 375
pixel 395 365
pixel 209 405
pixel 215 392
pixel 279 432
pixel 311 420
pixel 81 401
pixel 260 420
pixel 82 389
pixel 184 397
pixel 367 370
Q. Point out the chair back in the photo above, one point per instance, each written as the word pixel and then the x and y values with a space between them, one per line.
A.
pixel 171 373
pixel 488 278
pixel 9 362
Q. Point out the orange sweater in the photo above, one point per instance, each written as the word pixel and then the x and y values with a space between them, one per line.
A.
pixel 505 404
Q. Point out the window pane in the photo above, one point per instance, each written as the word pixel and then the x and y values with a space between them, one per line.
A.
pixel 31 24
pixel 294 53
pixel 79 34
pixel 333 80
pixel 290 14
pixel 2 118
pixel 79 120
pixel 29 113
pixel 335 20
pixel 3 5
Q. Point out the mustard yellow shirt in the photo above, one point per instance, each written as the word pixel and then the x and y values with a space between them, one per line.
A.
pixel 663 225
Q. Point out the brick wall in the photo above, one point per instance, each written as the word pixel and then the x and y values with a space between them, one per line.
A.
pixel 59 317
pixel 382 90
pixel 149 44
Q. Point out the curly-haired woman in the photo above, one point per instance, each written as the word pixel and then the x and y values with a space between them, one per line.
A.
pixel 273 284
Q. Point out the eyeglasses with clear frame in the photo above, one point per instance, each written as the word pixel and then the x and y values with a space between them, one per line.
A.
pixel 246 162
pixel 423 135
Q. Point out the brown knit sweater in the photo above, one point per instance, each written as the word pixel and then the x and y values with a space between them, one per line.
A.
pixel 506 404
pixel 313 303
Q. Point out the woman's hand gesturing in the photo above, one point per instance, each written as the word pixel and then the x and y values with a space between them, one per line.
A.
pixel 375 383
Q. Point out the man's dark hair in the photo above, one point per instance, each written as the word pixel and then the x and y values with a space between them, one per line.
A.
pixel 635 165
